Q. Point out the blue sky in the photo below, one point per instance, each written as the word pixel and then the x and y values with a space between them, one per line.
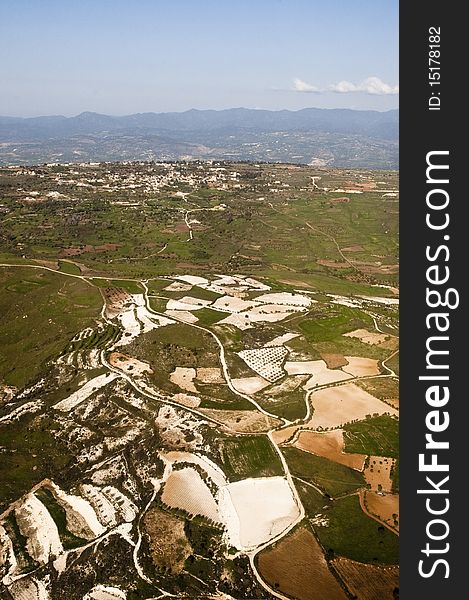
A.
pixel 121 57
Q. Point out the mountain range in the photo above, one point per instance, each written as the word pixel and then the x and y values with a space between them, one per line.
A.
pixel 333 137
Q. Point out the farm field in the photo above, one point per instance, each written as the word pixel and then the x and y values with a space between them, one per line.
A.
pixel 198 381
pixel 296 566
pixel 368 581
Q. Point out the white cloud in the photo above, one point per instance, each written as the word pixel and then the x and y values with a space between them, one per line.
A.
pixel 343 87
pixel 371 85
pixel 302 86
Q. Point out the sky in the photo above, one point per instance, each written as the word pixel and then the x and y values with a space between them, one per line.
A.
pixel 120 57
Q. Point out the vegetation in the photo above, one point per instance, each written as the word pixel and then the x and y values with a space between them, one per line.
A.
pixel 249 456
pixel 353 534
pixel 332 477
pixel 378 436
pixel 313 501
pixel 40 312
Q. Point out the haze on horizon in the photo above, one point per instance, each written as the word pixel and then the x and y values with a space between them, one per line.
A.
pixel 116 57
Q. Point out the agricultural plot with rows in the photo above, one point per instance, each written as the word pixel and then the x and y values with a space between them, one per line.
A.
pixel 198 382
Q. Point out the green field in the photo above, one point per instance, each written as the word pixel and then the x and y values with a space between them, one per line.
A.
pixel 327 321
pixel 66 266
pixel 378 436
pixel 40 312
pixel 290 405
pixel 31 452
pixel 333 478
pixel 249 456
pixel 384 388
pixel 312 500
pixel 353 534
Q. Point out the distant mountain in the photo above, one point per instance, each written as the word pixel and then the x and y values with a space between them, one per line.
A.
pixel 368 138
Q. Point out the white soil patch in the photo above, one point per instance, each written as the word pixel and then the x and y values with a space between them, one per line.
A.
pixel 85 392
pixel 130 325
pixel 80 516
pixel 256 510
pixel 381 300
pixel 360 367
pixel 185 305
pixel 186 400
pixel 186 490
pixel 150 321
pixel 241 321
pixel 184 377
pixel 346 300
pixel 28 407
pixel 103 508
pixel 282 339
pixel 283 298
pixel 233 305
pixel 192 279
pixel 182 315
pixel 336 406
pixel 135 319
pixel 176 286
pixel 210 375
pixel 36 524
pixel 82 335
pixel 368 337
pixel 105 592
pixel 7 554
pixel 249 385
pixel 213 471
pixel 321 375
pixel 124 506
pixel 129 364
pixel 267 362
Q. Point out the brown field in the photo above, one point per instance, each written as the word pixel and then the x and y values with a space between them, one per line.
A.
pixel 168 543
pixel 329 445
pixel 384 388
pixel 181 227
pixel 374 338
pixel 368 582
pixel 378 473
pixel 186 490
pixel 383 507
pixel 296 566
pixel 360 367
pixel 115 298
pixel 336 406
pixel 243 421
pixel 210 375
pixel 334 361
pixel 284 434
pixel 129 364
